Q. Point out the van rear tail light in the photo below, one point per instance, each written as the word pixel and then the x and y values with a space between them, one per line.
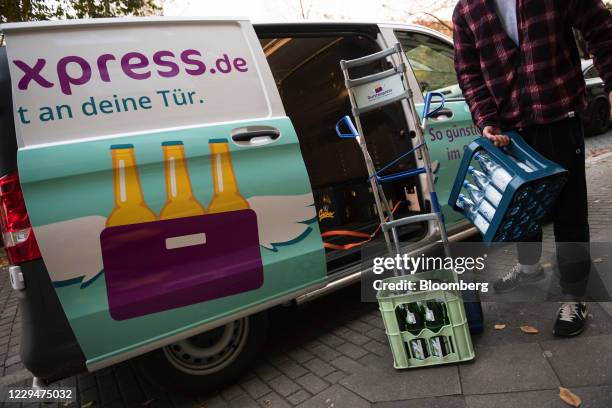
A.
pixel 15 226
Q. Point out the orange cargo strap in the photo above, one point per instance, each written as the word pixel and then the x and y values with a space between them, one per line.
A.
pixel 356 234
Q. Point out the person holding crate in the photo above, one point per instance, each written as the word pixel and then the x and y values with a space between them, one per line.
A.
pixel 518 66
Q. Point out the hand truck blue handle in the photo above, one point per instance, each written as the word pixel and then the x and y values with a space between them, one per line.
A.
pixel 349 124
pixel 428 97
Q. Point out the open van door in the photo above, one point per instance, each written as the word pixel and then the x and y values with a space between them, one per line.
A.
pixel 450 130
pixel 163 180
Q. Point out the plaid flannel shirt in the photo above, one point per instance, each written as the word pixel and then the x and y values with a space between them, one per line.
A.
pixel 539 81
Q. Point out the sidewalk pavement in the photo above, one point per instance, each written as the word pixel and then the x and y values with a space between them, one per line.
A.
pixel 343 359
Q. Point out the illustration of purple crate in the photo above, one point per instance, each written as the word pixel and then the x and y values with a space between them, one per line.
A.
pixel 155 266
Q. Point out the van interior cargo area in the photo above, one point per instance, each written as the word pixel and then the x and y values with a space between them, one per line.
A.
pixel 336 168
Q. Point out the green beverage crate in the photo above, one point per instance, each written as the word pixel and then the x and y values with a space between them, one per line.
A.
pixel 456 331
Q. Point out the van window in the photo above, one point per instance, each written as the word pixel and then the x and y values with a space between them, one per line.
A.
pixel 432 61
pixel 311 84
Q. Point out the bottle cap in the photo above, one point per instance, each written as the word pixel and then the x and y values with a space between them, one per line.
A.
pixel 465 183
pixel 471 168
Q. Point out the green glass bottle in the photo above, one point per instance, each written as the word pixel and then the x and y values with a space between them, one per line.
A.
pixel 418 347
pixel 435 315
pixel 439 346
pixel 415 317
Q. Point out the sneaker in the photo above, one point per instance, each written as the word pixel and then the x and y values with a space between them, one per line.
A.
pixel 516 278
pixel 571 318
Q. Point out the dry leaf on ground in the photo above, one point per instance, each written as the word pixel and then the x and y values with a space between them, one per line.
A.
pixel 529 330
pixel 148 402
pixel 598 260
pixel 87 404
pixel 569 397
pixel 499 326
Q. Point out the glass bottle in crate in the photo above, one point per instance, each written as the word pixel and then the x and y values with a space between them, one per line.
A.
pixel 440 346
pixel 477 196
pixel 414 317
pixel 418 348
pixel 483 182
pixel 496 173
pixel 471 212
pixel 435 315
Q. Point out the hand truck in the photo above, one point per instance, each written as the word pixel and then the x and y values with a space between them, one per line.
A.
pixel 373 92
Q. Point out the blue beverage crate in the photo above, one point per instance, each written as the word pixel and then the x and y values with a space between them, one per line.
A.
pixel 527 198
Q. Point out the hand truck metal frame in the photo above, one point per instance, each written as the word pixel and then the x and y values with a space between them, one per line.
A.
pixel 362 101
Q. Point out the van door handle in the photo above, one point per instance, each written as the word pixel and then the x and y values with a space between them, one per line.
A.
pixel 442 114
pixel 255 135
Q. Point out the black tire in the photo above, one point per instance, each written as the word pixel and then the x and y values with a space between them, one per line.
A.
pixel 599 113
pixel 181 368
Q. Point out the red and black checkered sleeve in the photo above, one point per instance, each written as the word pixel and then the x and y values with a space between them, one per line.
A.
pixel 469 74
pixel 594 21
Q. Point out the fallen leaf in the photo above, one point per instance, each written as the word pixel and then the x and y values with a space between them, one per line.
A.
pixel 148 402
pixel 569 397
pixel 87 404
pixel 499 326
pixel 267 403
pixel 547 353
pixel 598 260
pixel 529 330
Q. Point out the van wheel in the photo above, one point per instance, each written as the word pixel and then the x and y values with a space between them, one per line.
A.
pixel 207 361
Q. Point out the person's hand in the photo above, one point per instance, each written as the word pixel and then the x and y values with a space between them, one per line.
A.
pixel 494 134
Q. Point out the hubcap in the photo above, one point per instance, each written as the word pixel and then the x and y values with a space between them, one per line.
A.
pixel 209 352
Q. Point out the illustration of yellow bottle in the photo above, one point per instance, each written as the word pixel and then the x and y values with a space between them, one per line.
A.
pixel 130 207
pixel 180 201
pixel 227 197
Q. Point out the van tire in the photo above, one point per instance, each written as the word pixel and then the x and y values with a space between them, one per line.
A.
pixel 182 367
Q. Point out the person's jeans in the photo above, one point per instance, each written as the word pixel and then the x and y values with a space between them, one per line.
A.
pixel 563 143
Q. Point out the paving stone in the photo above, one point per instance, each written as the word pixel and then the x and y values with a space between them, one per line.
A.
pixel 12 360
pixel 299 355
pixel 331 340
pixel 359 326
pixel 352 350
pixel 291 369
pixel 335 396
pixel 582 361
pixel 243 401
pixel 335 377
pixel 214 402
pixel 324 352
pixel 607 307
pixel 256 388
pixel 346 364
pixel 378 348
pixel 312 383
pixel 353 337
pixel 540 315
pixel 545 398
pixel 298 397
pixel 379 381
pixel 319 367
pixel 378 334
pixel 436 402
pixel 232 392
pixel 273 400
pixel 519 367
pixel 266 372
pixel 284 385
